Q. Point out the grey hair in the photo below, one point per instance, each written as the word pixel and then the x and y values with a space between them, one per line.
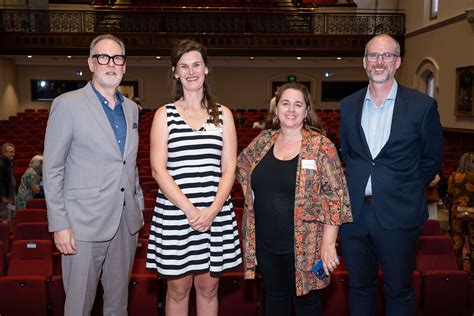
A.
pixel 105 37
pixel 6 145
pixel 397 44
pixel 36 163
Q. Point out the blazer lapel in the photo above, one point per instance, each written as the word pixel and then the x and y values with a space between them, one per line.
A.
pixel 129 119
pixel 95 108
pixel 360 130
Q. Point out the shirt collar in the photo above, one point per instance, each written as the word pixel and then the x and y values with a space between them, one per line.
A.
pixel 103 100
pixel 391 95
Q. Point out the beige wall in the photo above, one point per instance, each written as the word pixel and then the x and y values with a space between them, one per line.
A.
pixel 9 102
pixel 418 12
pixel 448 45
pixel 377 4
pixel 251 87
pixel 236 87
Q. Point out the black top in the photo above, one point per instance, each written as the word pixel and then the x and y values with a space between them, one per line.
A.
pixel 273 184
pixel 6 174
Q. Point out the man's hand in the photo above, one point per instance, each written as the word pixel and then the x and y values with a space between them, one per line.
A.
pixel 4 200
pixel 65 242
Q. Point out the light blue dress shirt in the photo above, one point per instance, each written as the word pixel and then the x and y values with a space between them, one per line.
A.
pixel 377 123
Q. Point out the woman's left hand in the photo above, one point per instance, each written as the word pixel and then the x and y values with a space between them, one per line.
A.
pixel 204 221
pixel 329 257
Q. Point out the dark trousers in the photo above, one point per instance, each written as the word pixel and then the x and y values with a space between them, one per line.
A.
pixel 364 245
pixel 461 228
pixel 278 272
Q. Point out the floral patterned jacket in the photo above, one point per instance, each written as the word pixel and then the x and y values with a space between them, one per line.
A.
pixel 321 197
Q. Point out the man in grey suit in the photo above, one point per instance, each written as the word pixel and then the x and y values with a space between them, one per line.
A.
pixel 91 183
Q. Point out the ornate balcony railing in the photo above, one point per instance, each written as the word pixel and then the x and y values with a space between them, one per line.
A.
pixel 196 22
pixel 224 29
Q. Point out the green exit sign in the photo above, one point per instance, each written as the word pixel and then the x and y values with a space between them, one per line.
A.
pixel 291 78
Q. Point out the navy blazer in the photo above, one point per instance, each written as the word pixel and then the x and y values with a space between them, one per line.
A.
pixel 409 160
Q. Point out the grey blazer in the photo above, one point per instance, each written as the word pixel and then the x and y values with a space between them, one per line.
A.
pixel 87 181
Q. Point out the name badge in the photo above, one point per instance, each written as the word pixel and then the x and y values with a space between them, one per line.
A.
pixel 212 128
pixel 308 164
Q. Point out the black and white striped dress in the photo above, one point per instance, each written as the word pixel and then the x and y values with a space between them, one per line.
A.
pixel 194 162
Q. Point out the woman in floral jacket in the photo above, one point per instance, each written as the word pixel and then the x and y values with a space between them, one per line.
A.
pixel 295 200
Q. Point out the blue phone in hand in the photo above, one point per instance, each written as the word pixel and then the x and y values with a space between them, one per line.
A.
pixel 319 270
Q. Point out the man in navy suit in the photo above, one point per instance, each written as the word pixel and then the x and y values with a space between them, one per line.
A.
pixel 392 145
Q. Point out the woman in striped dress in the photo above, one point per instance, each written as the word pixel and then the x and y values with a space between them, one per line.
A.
pixel 193 157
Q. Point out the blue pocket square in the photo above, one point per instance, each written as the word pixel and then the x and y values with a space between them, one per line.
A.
pixel 135 125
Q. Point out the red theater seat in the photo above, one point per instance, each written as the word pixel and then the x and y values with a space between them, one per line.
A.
pixel 238 296
pixel 31 231
pixel 31 258
pixel 335 297
pixel 24 289
pixel 143 295
pixel 432 228
pixel 4 237
pixel 36 204
pixel 140 258
pixel 143 287
pixel 30 216
pixel 150 203
pixel 444 289
pixel 57 295
pixel 2 258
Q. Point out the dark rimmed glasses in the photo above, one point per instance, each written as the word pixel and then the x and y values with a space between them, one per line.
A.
pixel 386 57
pixel 104 59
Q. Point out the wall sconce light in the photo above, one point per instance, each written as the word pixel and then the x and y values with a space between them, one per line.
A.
pixel 470 15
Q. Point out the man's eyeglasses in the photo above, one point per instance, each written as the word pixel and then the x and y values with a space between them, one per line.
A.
pixel 104 59
pixel 386 57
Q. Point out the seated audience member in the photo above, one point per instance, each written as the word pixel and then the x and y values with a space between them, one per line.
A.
pixel 7 182
pixel 269 117
pixel 30 182
pixel 461 195
pixel 239 120
pixel 260 124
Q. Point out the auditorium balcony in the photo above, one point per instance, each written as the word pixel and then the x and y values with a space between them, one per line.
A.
pixel 227 28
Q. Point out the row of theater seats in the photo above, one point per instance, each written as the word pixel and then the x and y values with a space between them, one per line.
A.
pixel 30 271
pixel 26 130
pixel 33 286
pixel 33 275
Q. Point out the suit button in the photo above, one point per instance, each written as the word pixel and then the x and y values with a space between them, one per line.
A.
pixel 122 189
pixel 372 163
